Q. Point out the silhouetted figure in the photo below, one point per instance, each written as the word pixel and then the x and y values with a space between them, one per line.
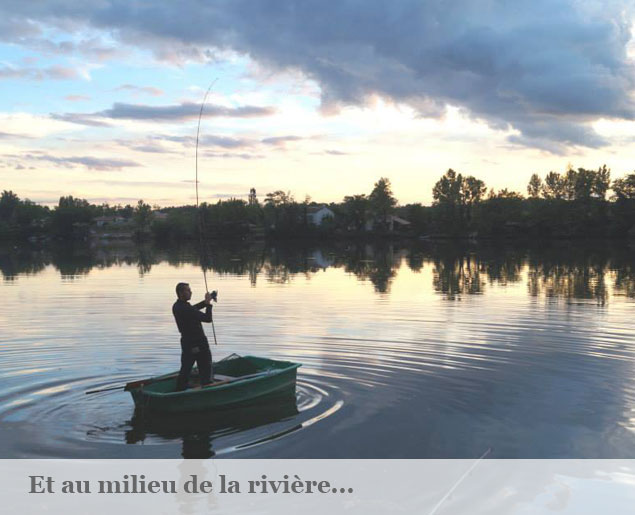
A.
pixel 194 345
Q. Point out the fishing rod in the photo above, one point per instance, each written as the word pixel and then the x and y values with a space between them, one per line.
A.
pixel 201 228
pixel 201 219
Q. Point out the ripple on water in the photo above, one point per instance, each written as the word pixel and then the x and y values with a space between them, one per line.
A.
pixel 70 419
pixel 408 373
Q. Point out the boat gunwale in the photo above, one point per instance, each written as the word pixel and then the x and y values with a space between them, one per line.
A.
pixel 266 374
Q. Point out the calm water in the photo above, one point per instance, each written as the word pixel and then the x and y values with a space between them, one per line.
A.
pixel 424 352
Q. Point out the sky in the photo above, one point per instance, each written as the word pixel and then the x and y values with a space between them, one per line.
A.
pixel 101 98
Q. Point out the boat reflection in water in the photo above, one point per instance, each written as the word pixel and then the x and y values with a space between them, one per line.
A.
pixel 199 429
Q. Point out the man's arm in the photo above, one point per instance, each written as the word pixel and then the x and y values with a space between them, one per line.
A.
pixel 208 298
pixel 207 303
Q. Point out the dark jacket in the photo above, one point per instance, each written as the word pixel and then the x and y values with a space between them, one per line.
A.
pixel 188 320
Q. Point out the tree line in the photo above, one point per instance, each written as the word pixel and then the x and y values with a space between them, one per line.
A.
pixel 578 203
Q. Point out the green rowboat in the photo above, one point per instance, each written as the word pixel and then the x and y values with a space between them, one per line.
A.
pixel 239 380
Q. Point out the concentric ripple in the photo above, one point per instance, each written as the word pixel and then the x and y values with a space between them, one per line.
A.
pixel 404 372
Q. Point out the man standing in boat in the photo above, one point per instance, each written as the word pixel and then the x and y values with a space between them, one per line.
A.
pixel 194 345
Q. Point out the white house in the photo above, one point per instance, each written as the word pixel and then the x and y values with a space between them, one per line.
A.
pixel 317 214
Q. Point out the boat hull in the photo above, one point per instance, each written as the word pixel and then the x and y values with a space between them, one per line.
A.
pixel 276 377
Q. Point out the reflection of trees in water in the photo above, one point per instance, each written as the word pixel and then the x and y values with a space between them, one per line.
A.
pixel 625 281
pixel 415 261
pixel 145 259
pixel 502 267
pixel 377 264
pixel 623 266
pixel 569 275
pixel 574 272
pixel 16 262
pixel 74 261
pixel 458 275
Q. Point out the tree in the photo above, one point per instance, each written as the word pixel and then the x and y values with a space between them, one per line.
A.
pixel 253 200
pixel 457 195
pixel 448 188
pixel 356 209
pixel 472 191
pixel 553 188
pixel 505 193
pixel 142 217
pixel 584 184
pixel 624 188
pixel 602 182
pixel 281 212
pixel 72 216
pixel 278 198
pixel 382 201
pixel 570 183
pixel 9 202
pixel 535 186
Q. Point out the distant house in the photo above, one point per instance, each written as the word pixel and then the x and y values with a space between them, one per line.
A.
pixel 392 222
pixel 103 221
pixel 159 215
pixel 317 214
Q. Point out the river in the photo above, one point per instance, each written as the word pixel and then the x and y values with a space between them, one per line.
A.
pixel 427 351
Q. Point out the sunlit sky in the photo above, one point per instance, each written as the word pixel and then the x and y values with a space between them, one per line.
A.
pixel 100 99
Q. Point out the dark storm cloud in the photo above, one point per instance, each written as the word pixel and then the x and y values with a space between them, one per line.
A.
pixel 546 68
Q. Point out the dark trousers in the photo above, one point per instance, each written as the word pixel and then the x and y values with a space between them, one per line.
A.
pixel 190 354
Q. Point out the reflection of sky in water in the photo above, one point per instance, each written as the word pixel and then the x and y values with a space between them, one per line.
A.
pixel 425 353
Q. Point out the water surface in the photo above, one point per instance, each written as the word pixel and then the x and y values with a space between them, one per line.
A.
pixel 434 351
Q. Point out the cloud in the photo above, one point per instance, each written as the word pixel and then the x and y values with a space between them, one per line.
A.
pixel 145 146
pixel 280 141
pixel 211 140
pixel 151 148
pixel 547 68
pixel 233 155
pixel 51 73
pixel 94 163
pixel 15 29
pixel 11 135
pixel 179 112
pixel 76 98
pixel 150 90
pixel 207 141
pixel 226 142
pixel 31 36
pixel 336 153
pixel 80 119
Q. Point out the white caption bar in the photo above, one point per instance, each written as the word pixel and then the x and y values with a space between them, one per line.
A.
pixel 324 487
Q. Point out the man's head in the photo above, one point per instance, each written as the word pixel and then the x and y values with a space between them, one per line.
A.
pixel 183 291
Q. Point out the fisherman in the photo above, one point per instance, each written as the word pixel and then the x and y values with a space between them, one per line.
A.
pixel 194 345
